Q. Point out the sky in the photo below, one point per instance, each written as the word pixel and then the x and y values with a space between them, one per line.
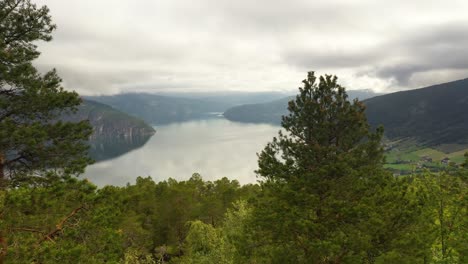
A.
pixel 114 46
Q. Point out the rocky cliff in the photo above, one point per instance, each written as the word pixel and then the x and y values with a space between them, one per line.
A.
pixel 114 132
pixel 110 123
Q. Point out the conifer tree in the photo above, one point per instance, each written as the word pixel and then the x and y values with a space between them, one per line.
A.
pixel 32 140
pixel 318 178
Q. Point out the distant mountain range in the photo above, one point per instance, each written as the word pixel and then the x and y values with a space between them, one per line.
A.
pixel 120 122
pixel 271 112
pixel 431 116
pixel 231 98
pixel 159 109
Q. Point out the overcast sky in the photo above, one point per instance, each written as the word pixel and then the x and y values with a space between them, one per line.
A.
pixel 111 46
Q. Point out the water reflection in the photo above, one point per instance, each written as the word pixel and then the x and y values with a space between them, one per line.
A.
pixel 215 148
pixel 102 149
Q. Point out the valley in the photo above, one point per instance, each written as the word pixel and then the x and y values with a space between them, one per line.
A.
pixel 233 132
pixel 423 129
pixel 422 126
pixel 166 108
pixel 404 158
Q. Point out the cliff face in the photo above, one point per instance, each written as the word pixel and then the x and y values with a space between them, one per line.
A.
pixel 110 123
pixel 114 132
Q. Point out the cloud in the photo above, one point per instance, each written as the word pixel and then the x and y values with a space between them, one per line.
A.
pixel 440 49
pixel 111 46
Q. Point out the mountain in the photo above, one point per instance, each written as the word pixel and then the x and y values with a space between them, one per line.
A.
pixel 176 107
pixel 158 109
pixel 434 116
pixel 232 98
pixel 431 116
pixel 108 122
pixel 114 132
pixel 271 112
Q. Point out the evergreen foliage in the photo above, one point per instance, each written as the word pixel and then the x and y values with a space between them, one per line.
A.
pixel 319 177
pixel 147 222
pixel 32 142
pixel 415 219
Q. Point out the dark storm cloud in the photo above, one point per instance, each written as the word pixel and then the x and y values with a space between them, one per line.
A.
pixel 430 49
pixel 110 46
pixel 400 73
pixel 423 50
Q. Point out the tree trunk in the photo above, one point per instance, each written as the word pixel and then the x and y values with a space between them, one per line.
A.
pixel 3 248
pixel 2 165
pixel 3 242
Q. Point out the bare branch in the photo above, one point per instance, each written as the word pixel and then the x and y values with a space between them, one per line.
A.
pixel 59 227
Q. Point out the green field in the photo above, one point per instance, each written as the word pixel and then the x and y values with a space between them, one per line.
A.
pixel 405 158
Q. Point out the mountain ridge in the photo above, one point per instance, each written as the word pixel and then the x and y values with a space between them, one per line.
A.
pixel 109 122
pixel 271 112
pixel 431 116
pixel 114 132
pixel 167 108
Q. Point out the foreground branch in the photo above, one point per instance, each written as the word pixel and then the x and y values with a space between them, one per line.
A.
pixel 59 227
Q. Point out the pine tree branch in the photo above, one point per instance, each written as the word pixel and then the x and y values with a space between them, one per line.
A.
pixel 10 10
pixel 28 229
pixel 60 225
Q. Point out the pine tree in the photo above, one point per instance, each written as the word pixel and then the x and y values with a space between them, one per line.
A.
pixel 318 178
pixel 33 142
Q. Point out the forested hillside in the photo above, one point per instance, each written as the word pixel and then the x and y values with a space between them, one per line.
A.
pixel 114 132
pixel 429 116
pixel 108 122
pixel 157 109
pixel 432 116
pixel 231 98
pixel 176 107
pixel 271 112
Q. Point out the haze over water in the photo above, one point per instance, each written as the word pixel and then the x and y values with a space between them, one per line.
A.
pixel 215 148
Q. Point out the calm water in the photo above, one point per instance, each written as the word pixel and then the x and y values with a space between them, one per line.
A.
pixel 215 148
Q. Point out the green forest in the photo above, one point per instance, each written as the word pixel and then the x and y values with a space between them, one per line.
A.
pixel 323 195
